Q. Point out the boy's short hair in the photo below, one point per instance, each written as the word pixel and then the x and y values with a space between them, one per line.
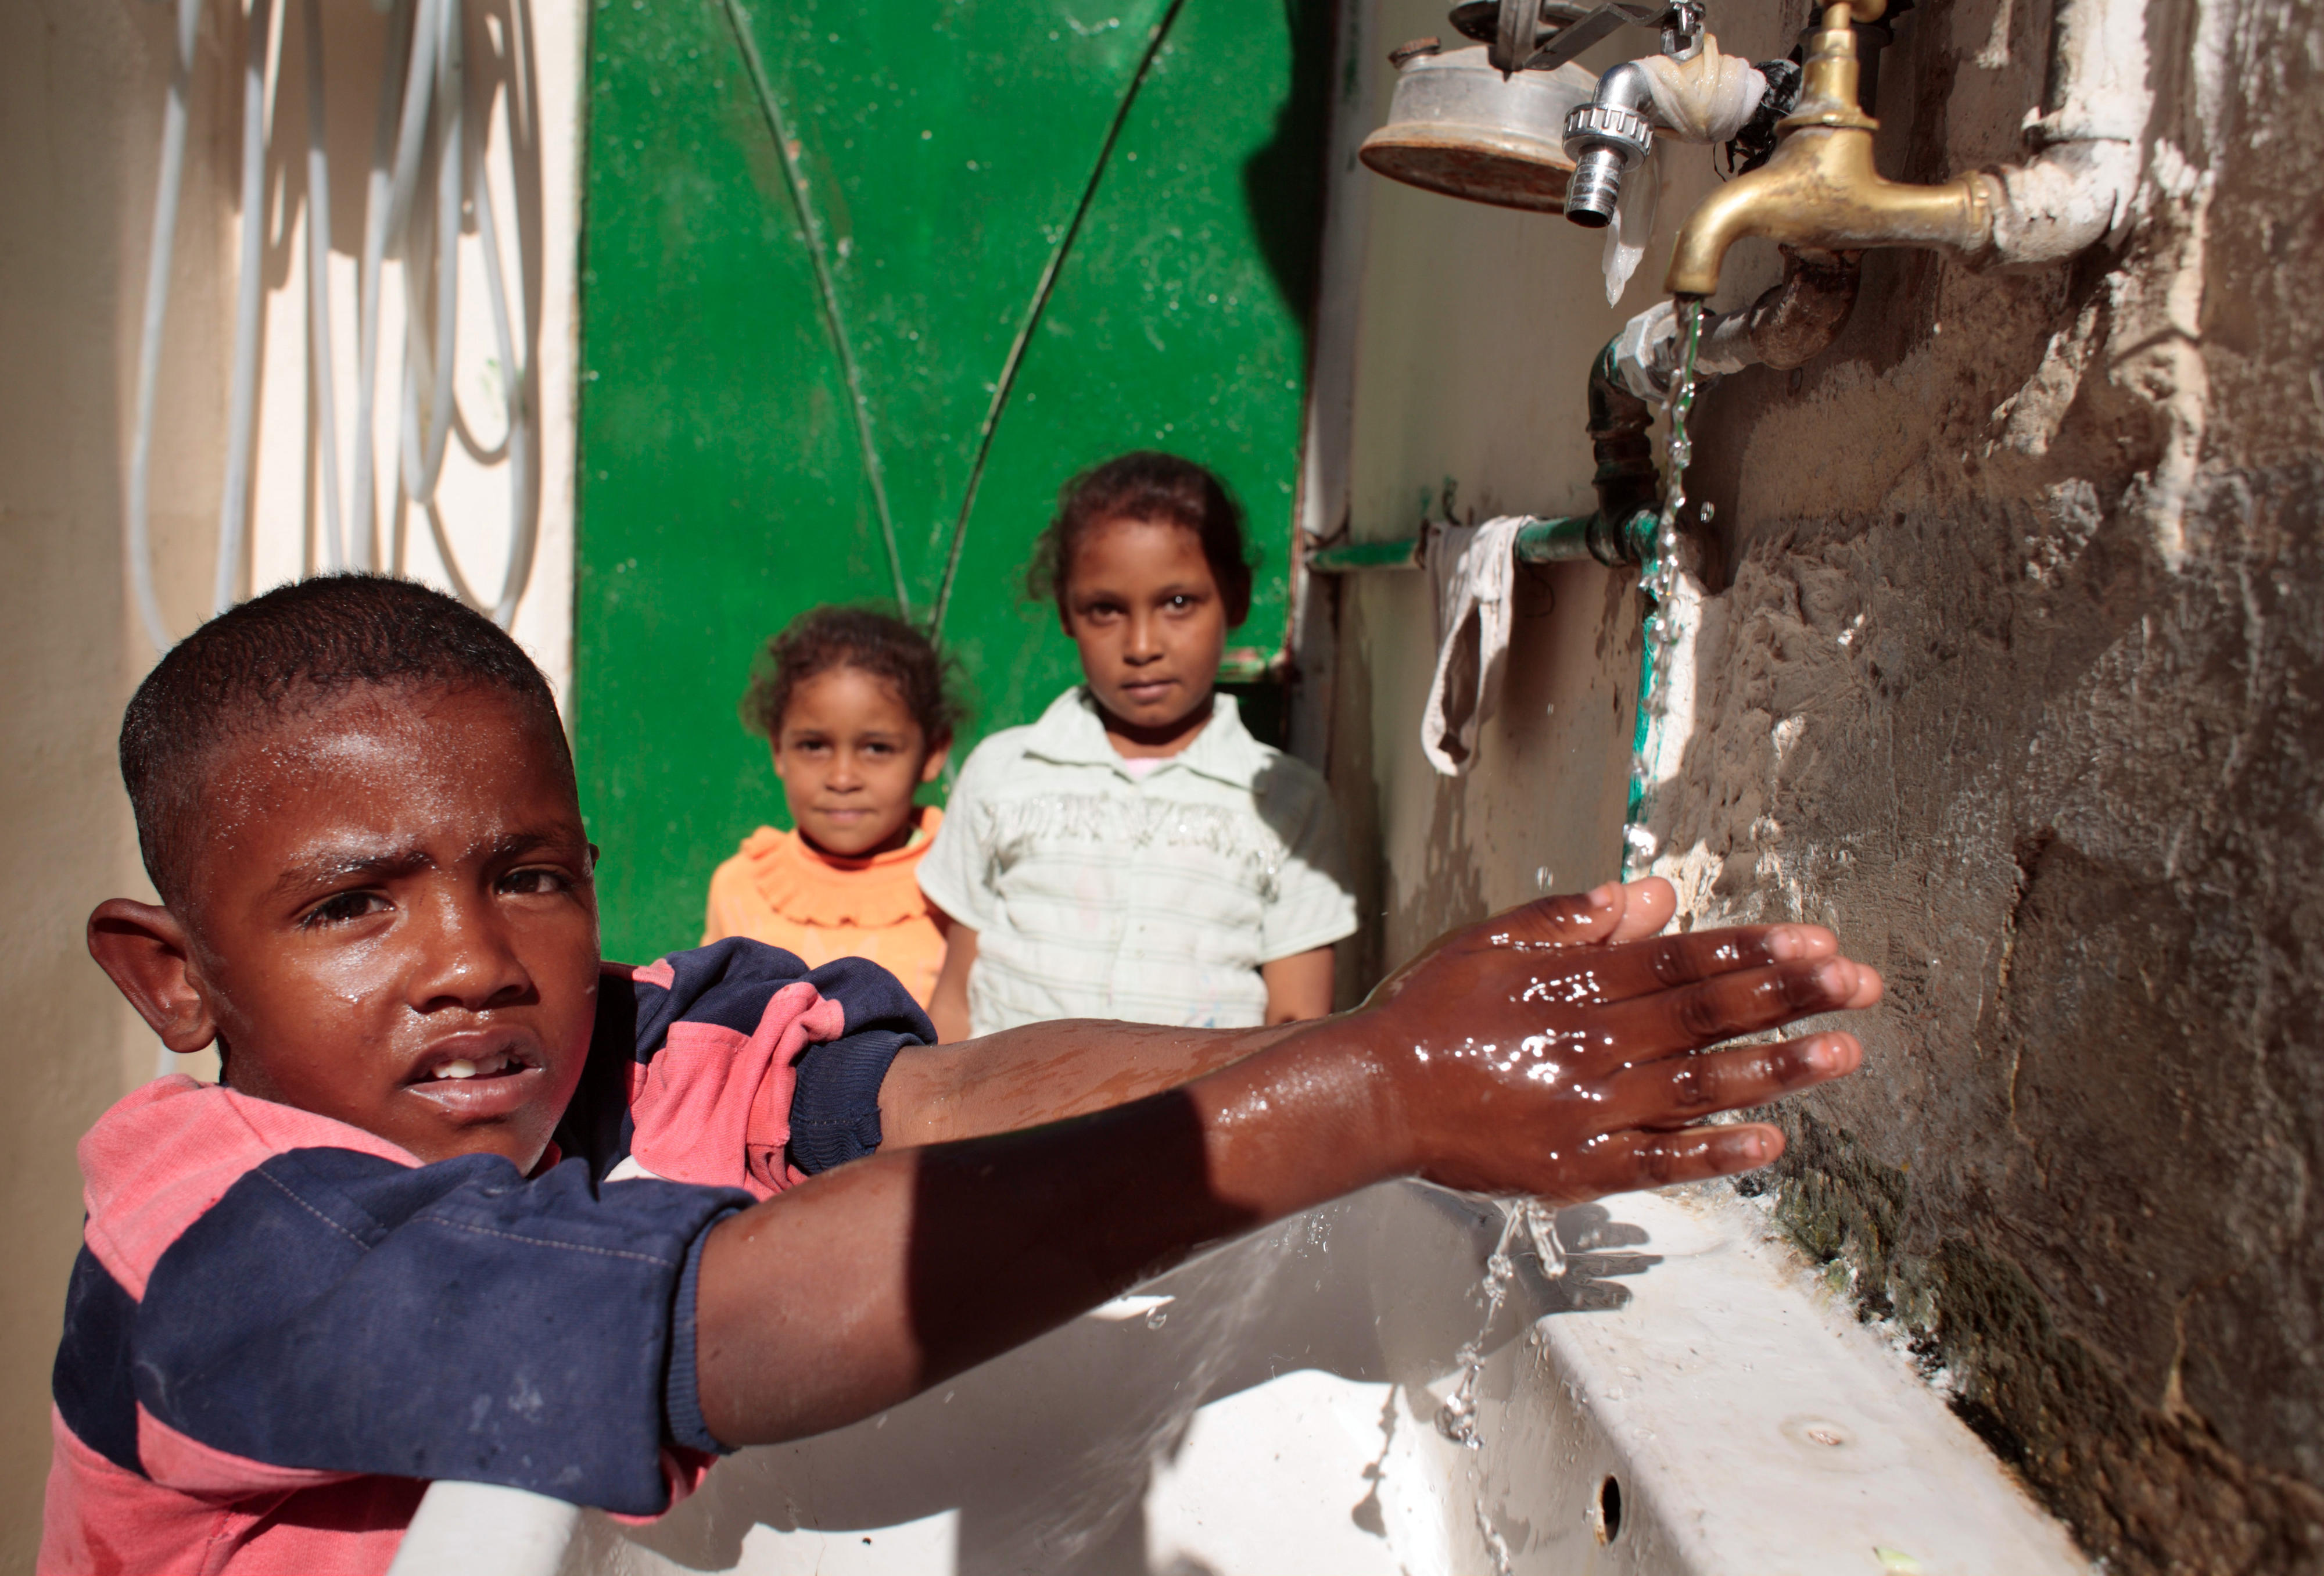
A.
pixel 296 646
pixel 1147 484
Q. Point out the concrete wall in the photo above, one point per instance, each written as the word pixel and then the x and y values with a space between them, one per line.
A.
pixel 82 84
pixel 2009 670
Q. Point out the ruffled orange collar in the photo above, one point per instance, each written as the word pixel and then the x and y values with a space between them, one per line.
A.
pixel 809 887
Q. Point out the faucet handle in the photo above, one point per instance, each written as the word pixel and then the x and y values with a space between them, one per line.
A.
pixel 1830 80
pixel 1540 35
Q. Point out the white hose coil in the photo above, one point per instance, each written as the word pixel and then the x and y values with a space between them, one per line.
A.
pixel 149 341
pixel 423 87
pixel 249 299
pixel 319 290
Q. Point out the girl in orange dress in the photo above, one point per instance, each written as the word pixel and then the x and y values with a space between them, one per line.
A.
pixel 856 707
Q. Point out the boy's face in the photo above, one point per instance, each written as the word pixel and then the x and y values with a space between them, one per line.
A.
pixel 849 754
pixel 394 923
pixel 1144 609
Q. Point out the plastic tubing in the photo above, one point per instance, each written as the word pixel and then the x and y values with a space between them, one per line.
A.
pixel 432 83
pixel 517 442
pixel 424 446
pixel 249 310
pixel 318 286
pixel 514 377
pixel 411 129
pixel 517 445
pixel 149 346
pixel 378 194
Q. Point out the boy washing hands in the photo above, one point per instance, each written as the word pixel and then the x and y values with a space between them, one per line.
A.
pixel 469 1203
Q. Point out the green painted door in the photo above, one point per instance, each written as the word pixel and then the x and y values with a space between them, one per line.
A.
pixel 821 239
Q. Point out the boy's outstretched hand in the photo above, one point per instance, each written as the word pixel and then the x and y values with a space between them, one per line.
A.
pixel 1558 1051
pixel 1561 1050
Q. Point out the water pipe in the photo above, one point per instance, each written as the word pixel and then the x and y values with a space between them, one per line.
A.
pixel 149 340
pixel 1820 190
pixel 2082 187
pixel 1619 531
pixel 319 288
pixel 1791 322
pixel 424 445
pixel 1606 138
pixel 250 283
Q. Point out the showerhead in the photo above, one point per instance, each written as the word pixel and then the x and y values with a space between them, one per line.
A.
pixel 1459 126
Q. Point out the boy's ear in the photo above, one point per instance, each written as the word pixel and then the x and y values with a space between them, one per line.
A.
pixel 934 765
pixel 148 956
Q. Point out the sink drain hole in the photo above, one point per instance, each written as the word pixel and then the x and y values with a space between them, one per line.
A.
pixel 1606 1515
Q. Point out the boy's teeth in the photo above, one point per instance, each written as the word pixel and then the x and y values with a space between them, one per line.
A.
pixel 480 1067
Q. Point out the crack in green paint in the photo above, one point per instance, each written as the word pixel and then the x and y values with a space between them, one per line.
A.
pixel 811 232
pixel 1041 291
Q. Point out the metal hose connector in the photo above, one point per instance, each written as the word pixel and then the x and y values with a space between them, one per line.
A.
pixel 1606 138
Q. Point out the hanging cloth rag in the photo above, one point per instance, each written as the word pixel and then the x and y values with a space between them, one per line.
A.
pixel 1472 569
pixel 1633 223
pixel 1704 98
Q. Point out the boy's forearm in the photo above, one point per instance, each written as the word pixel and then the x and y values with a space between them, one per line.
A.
pixel 927 1262
pixel 1046 1072
pixel 1544 1053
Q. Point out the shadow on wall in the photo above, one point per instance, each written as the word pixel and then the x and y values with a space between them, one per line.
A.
pixel 1283 182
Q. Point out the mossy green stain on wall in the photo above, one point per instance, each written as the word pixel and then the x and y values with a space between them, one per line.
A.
pixel 723 488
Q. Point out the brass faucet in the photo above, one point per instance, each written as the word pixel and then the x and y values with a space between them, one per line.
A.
pixel 1820 191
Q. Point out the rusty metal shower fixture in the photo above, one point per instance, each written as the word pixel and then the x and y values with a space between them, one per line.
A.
pixel 1459 127
pixel 1820 191
pixel 1496 124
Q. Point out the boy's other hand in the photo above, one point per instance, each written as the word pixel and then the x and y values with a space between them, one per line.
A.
pixel 1561 1049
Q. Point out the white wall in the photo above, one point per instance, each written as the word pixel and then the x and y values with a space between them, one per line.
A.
pixel 82 88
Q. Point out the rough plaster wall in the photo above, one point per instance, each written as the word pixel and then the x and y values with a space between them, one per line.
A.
pixel 2011 670
pixel 2012 674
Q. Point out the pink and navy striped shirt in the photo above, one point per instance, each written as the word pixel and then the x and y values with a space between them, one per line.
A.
pixel 281 1327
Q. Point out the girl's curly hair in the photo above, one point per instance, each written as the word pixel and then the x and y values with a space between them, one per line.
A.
pixel 869 641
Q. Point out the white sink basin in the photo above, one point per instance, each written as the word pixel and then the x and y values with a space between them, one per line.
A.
pixel 1683 1400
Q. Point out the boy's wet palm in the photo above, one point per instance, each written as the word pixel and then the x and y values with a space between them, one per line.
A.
pixel 1545 1052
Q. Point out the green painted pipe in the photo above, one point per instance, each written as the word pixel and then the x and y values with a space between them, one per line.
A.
pixel 1554 540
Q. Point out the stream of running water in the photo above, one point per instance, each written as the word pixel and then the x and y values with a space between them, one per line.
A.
pixel 1658 579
